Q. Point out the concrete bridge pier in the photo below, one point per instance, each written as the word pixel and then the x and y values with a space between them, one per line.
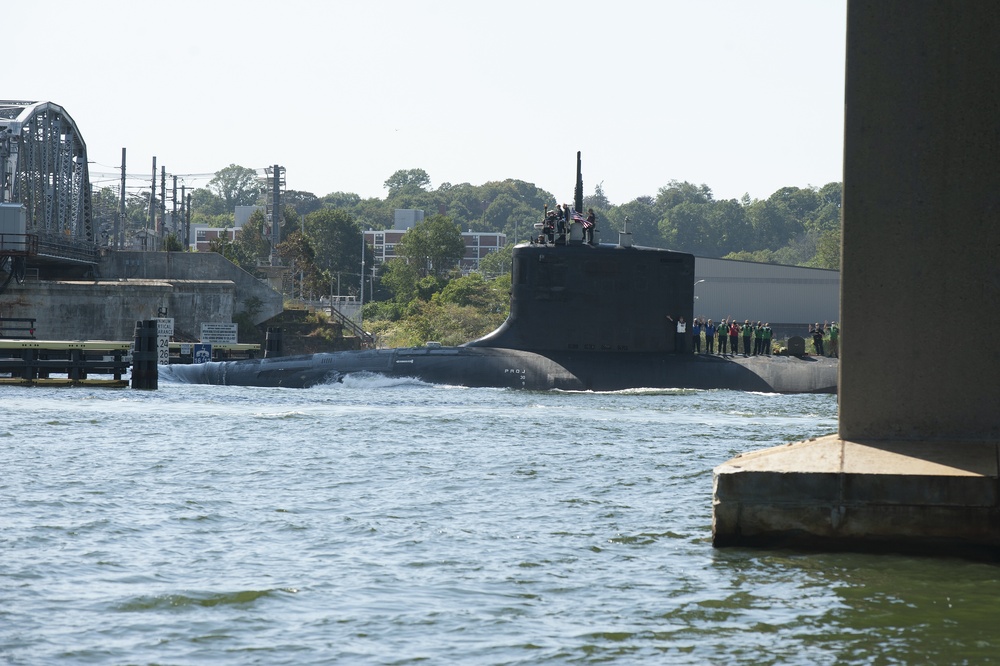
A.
pixel 914 464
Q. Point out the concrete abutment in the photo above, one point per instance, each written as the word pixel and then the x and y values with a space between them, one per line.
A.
pixel 914 464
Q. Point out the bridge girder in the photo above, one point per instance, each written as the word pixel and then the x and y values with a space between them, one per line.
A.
pixel 43 166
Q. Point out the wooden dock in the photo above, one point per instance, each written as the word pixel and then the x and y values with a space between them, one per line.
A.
pixel 30 362
pixel 73 362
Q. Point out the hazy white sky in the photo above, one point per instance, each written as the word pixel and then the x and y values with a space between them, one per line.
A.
pixel 745 97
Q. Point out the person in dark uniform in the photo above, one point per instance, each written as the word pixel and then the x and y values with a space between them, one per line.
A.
pixel 709 337
pixel 817 336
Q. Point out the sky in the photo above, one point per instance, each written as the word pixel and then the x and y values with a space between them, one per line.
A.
pixel 744 97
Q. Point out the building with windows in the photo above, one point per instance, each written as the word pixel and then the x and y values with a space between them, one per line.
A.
pixel 478 244
pixel 202 234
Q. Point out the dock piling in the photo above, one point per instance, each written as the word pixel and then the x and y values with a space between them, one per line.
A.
pixel 145 373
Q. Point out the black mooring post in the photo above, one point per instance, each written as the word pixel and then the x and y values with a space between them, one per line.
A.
pixel 145 374
pixel 273 342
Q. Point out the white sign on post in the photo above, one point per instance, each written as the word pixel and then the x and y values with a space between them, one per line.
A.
pixel 164 331
pixel 219 333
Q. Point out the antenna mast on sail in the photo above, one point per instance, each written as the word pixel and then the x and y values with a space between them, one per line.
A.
pixel 578 194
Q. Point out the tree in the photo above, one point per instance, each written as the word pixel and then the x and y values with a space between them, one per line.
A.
pixel 433 246
pixel 676 193
pixel 445 322
pixel 687 228
pixel 247 247
pixel 136 216
pixel 729 226
pixel 407 179
pixel 828 250
pixel 774 225
pixel 297 252
pixel 511 207
pixel 597 200
pixel 469 290
pixel 400 278
pixel 497 263
pixel 345 200
pixel 373 214
pixel 302 203
pixel 251 243
pixel 336 239
pixel 171 243
pixel 236 186
pixel 643 221
pixel 205 202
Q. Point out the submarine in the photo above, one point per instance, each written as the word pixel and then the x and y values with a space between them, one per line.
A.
pixel 584 316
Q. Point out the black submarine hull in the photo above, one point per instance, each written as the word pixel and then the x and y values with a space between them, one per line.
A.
pixel 518 369
pixel 583 316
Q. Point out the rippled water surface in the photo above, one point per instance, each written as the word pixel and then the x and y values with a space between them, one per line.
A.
pixel 378 522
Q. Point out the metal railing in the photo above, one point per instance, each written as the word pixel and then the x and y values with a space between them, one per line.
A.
pixel 59 248
pixel 18 245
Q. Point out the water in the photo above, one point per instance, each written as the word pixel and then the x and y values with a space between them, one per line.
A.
pixel 381 522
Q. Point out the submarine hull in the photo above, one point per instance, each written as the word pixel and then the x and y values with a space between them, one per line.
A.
pixel 510 368
pixel 583 316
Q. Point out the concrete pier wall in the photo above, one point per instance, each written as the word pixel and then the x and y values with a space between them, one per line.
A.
pixel 104 310
pixel 193 288
pixel 194 266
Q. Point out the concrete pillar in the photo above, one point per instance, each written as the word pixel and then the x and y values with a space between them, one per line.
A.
pixel 921 235
pixel 915 459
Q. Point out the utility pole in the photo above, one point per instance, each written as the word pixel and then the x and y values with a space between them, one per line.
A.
pixel 186 200
pixel 173 215
pixel 361 294
pixel 276 206
pixel 120 221
pixel 163 200
pixel 152 208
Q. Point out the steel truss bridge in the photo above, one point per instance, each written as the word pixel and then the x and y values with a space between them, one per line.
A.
pixel 43 167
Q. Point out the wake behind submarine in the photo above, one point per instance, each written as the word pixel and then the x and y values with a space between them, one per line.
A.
pixel 583 316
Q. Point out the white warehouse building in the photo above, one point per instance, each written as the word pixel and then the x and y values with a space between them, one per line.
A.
pixel 788 297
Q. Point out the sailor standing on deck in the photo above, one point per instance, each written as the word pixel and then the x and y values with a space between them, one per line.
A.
pixel 590 226
pixel 734 338
pixel 681 333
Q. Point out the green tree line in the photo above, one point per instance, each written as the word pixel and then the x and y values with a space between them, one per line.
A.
pixel 795 226
pixel 422 296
